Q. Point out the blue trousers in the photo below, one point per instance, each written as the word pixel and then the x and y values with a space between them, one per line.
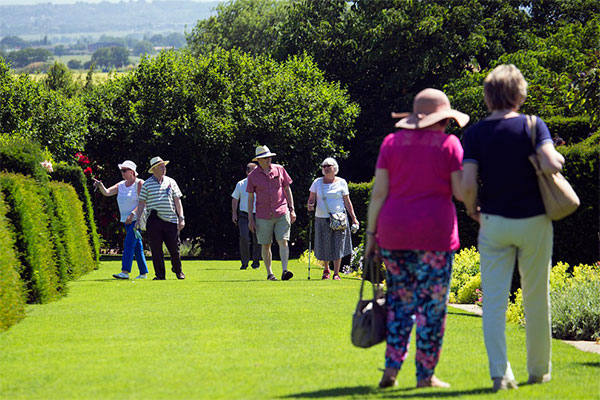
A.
pixel 132 247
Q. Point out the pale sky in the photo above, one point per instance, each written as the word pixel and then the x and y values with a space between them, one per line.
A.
pixel 30 2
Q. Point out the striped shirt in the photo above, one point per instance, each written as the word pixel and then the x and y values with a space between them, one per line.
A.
pixel 159 197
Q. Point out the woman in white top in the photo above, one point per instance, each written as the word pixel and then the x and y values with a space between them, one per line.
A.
pixel 331 245
pixel 127 192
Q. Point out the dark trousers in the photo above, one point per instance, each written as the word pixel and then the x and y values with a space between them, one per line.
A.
pixel 245 238
pixel 160 232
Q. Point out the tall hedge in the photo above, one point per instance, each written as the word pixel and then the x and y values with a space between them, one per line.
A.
pixel 12 291
pixel 73 230
pixel 76 178
pixel 34 243
pixel 576 238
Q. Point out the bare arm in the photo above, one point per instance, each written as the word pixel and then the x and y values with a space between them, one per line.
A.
pixel 551 161
pixel 350 208
pixel 290 200
pixel 378 195
pixel 469 189
pixel 234 207
pixel 312 199
pixel 111 191
pixel 139 212
pixel 455 179
pixel 179 208
pixel 251 211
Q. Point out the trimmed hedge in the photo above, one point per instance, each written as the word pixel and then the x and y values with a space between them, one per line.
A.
pixel 33 238
pixel 571 129
pixel 12 292
pixel 576 237
pixel 73 230
pixel 76 178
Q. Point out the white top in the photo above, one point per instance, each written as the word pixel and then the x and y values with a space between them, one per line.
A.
pixel 127 198
pixel 240 194
pixel 334 193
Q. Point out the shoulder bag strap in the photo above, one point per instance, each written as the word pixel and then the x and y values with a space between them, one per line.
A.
pixel 324 197
pixel 532 122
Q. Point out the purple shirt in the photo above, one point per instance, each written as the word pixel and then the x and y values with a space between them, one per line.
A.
pixel 418 213
pixel 268 190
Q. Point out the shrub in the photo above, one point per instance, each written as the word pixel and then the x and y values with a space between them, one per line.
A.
pixel 23 156
pixel 464 268
pixel 72 230
pixel 12 292
pixel 469 292
pixel 575 302
pixel 33 238
pixel 76 178
pixel 514 312
pixel 576 311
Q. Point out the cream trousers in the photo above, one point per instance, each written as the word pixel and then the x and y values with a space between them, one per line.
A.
pixel 501 242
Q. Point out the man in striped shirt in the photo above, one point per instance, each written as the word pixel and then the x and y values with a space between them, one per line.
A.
pixel 161 195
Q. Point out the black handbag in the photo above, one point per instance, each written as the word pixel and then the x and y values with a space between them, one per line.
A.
pixel 369 319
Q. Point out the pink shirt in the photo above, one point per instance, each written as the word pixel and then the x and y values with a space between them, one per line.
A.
pixel 418 213
pixel 268 189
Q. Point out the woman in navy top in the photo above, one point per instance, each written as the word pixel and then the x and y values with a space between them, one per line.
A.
pixel 513 222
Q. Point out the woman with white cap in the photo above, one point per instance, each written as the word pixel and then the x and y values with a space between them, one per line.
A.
pixel 161 196
pixel 127 192
pixel 412 226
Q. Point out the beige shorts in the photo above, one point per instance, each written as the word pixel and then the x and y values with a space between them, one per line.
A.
pixel 280 226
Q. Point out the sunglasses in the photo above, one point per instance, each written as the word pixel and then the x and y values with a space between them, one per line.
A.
pixel 125 169
pixel 326 166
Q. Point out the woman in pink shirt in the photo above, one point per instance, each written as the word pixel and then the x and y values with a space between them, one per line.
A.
pixel 412 227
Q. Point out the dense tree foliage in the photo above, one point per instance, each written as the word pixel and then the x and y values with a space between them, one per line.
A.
pixel 206 115
pixel 48 116
pixel 384 52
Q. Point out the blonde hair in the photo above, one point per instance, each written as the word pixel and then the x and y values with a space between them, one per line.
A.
pixel 504 88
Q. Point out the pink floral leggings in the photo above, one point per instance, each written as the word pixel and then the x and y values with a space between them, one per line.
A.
pixel 418 285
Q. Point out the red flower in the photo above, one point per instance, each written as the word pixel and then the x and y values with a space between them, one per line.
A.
pixel 84 160
pixel 88 171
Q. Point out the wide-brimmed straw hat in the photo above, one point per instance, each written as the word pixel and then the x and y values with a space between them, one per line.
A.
pixel 156 161
pixel 129 164
pixel 262 152
pixel 429 107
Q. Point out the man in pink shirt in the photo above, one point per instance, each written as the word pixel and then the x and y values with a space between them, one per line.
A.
pixel 274 209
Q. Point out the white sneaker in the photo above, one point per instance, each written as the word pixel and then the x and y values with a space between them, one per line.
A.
pixel 121 275
pixel 142 276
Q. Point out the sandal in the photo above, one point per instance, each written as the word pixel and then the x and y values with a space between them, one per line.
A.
pixel 336 277
pixel 271 277
pixel 325 275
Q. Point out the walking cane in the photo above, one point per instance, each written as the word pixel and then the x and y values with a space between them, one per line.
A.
pixel 310 222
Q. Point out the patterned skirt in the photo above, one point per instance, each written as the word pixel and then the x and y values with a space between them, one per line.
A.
pixel 329 244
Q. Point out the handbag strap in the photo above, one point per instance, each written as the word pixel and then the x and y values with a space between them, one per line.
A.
pixel 532 123
pixel 369 263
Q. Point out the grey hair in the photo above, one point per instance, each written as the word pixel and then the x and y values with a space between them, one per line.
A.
pixel 331 161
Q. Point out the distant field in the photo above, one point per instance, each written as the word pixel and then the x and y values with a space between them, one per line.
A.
pixel 97 77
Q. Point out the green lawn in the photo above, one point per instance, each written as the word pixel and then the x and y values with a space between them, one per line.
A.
pixel 230 334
